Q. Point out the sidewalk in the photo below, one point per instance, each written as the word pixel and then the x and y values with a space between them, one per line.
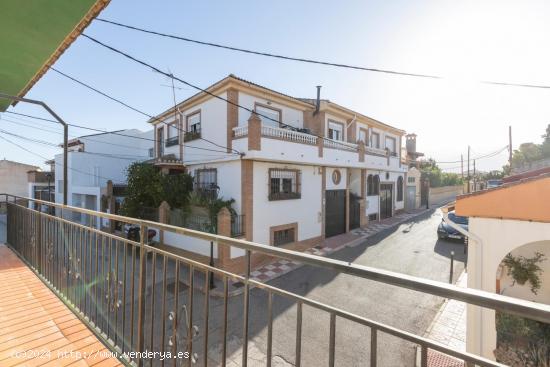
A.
pixel 330 245
pixel 449 328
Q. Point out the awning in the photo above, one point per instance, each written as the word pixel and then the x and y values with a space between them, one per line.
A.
pixel 33 34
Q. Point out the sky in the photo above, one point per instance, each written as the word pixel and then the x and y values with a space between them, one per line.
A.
pixel 463 41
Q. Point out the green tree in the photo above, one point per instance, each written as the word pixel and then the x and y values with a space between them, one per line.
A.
pixel 148 188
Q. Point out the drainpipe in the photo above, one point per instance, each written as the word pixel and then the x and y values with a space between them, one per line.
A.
pixel 479 278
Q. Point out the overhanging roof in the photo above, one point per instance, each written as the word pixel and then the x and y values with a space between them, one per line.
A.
pixel 33 34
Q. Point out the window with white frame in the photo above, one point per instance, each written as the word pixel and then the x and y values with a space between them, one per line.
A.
pixel 193 122
pixel 375 140
pixel 268 116
pixel 284 184
pixel 335 130
pixel 173 130
pixel 363 135
pixel 391 144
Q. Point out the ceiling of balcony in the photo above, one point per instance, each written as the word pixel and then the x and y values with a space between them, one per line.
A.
pixel 33 34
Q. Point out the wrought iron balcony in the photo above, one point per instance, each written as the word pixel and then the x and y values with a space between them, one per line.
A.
pixel 124 290
pixel 174 140
pixel 192 135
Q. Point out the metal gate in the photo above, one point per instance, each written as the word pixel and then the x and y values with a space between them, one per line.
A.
pixel 335 212
pixel 354 211
pixel 386 200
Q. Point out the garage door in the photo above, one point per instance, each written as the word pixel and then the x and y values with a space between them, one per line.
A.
pixel 335 212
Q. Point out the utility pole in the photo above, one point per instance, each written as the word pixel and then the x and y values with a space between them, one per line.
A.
pixel 474 175
pixel 468 178
pixel 462 165
pixel 510 147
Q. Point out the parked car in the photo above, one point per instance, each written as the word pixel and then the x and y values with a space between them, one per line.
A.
pixel 445 231
pixel 493 183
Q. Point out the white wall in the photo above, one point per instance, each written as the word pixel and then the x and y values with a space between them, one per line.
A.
pixel 105 157
pixel 330 185
pixel 13 177
pixel 499 237
pixel 306 211
pixel 229 179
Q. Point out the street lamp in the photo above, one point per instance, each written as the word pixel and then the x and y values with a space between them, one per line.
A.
pixel 65 135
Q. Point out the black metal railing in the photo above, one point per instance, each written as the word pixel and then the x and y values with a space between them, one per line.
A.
pixel 138 298
pixel 237 225
pixel 174 140
pixel 198 222
pixel 192 135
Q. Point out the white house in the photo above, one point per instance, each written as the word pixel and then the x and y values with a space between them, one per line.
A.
pixel 300 170
pixel 95 159
pixel 510 219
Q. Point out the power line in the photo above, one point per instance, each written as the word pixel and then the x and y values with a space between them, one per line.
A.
pixel 41 156
pixel 72 136
pixel 111 132
pixel 192 85
pixel 310 61
pixel 132 108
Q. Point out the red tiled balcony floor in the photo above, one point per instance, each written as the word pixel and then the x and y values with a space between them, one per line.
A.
pixel 33 320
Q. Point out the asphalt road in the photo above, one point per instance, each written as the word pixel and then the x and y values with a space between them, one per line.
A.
pixel 412 248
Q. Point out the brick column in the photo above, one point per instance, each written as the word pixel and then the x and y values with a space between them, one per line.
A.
pixel 224 229
pixel 364 218
pixel 232 115
pixel 254 132
pixel 164 217
pixel 347 199
pixel 320 145
pixel 361 150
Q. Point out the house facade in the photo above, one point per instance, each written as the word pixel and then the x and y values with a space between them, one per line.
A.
pixel 13 177
pixel 512 219
pixel 93 160
pixel 300 170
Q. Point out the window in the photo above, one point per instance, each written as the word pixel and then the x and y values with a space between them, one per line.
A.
pixel 193 130
pixel 391 145
pixel 284 236
pixel 284 184
pixel 373 183
pixel 173 136
pixel 375 140
pixel 363 135
pixel 373 217
pixel 268 116
pixel 206 182
pixel 411 179
pixel 335 130
pixel 400 188
pixel 160 141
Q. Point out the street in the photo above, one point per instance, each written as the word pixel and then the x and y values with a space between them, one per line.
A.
pixel 411 248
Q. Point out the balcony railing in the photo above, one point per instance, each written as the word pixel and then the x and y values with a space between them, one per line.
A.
pixel 240 131
pixel 174 140
pixel 289 135
pixel 342 145
pixel 192 135
pixel 124 290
